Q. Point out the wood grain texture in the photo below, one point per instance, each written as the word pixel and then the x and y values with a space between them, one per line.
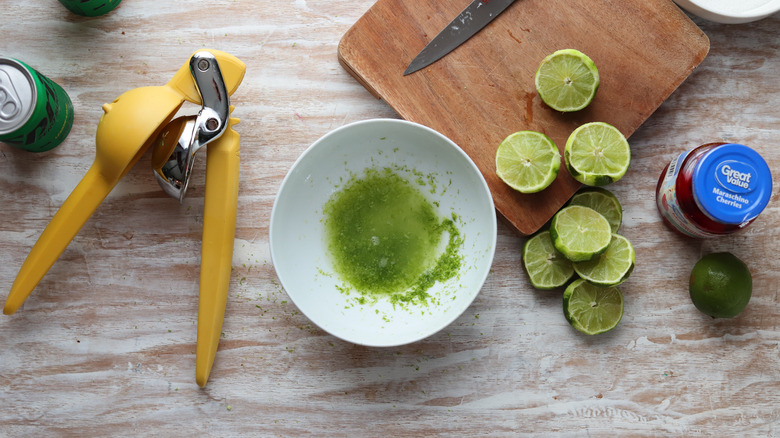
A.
pixel 105 346
pixel 484 90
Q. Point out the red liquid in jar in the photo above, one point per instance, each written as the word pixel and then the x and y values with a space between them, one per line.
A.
pixel 714 189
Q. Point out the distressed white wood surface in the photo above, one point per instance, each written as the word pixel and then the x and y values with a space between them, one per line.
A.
pixel 105 345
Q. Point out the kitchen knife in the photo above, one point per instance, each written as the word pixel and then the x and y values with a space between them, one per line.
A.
pixel 476 16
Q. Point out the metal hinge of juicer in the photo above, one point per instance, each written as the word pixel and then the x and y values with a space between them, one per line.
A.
pixel 184 136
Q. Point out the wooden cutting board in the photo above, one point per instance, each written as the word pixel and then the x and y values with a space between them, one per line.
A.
pixel 484 90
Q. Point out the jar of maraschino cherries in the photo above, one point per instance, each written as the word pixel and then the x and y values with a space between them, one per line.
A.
pixel 714 189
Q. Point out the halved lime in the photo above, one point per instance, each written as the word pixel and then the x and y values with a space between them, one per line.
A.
pixel 546 267
pixel 567 80
pixel 603 201
pixel 597 154
pixel 528 161
pixel 580 233
pixel 592 309
pixel 611 267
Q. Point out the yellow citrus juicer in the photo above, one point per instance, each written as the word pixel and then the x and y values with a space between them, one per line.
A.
pixel 172 161
pixel 129 126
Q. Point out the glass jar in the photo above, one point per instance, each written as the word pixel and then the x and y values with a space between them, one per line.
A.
pixel 714 189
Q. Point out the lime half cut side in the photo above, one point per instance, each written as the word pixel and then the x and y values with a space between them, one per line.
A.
pixel 528 161
pixel 567 80
pixel 611 267
pixel 597 154
pixel 580 233
pixel 604 202
pixel 592 309
pixel 546 267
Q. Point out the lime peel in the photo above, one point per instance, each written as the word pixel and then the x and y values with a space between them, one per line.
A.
pixel 720 285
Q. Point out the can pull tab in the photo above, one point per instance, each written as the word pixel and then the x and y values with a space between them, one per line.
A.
pixel 9 99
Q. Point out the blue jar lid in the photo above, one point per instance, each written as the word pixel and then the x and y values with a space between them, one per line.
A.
pixel 732 184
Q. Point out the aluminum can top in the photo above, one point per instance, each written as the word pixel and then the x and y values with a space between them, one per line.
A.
pixel 17 95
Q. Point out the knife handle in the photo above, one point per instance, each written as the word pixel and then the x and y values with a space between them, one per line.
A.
pixel 219 229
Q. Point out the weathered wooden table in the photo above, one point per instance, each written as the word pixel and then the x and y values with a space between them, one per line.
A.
pixel 105 345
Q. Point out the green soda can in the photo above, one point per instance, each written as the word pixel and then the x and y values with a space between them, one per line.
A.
pixel 35 113
pixel 90 8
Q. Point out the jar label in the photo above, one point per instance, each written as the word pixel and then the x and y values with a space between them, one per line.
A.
pixel 669 206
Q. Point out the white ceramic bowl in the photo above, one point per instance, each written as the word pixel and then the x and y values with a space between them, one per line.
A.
pixel 299 249
pixel 731 11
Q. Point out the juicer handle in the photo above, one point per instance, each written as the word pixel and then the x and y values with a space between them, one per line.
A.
pixel 64 226
pixel 219 229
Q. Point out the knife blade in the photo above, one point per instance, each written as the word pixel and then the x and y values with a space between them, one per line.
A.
pixel 476 16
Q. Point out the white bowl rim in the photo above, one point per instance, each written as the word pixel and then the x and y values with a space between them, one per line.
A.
pixel 493 232
pixel 707 11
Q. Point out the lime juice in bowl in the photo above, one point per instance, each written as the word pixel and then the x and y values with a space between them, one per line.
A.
pixel 384 237
pixel 322 192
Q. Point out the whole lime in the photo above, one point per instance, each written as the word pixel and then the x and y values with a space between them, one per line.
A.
pixel 720 285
